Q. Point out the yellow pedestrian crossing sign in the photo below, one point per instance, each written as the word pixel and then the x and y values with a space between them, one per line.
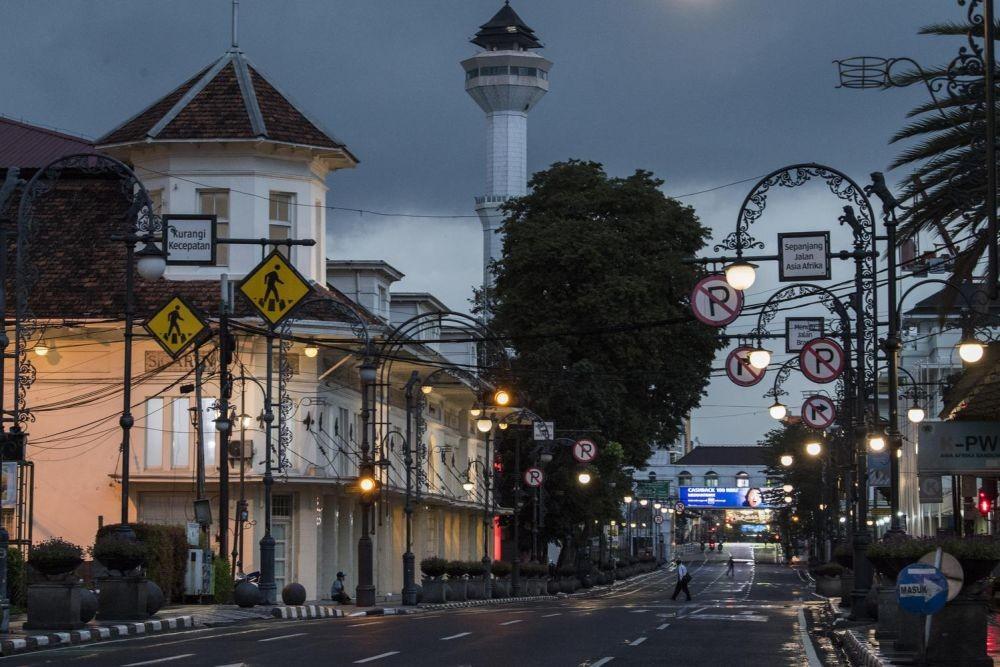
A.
pixel 274 288
pixel 175 326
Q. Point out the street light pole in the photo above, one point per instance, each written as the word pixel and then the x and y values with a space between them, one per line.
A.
pixel 409 574
pixel 366 576
pixel 515 565
pixel 268 587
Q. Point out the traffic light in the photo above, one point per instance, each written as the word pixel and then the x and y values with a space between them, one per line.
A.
pixel 984 504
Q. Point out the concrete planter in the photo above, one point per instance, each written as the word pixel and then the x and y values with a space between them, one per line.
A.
pixel 501 588
pixel 54 606
pixel 827 586
pixel 435 591
pixel 888 612
pixel 958 633
pixel 123 599
pixel 846 586
pixel 567 584
pixel 475 589
pixel 552 586
pixel 457 590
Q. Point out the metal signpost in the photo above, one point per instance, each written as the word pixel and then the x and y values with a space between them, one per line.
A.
pixel 822 360
pixel 739 370
pixel 190 239
pixel 801 330
pixel 818 412
pixel 803 256
pixel 714 302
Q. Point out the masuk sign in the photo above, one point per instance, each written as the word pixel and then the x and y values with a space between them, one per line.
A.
pixel 803 256
pixel 958 448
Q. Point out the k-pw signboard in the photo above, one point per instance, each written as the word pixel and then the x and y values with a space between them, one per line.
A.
pixel 956 448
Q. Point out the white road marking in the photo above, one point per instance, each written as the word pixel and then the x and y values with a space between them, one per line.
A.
pixel 558 613
pixel 274 639
pixel 639 611
pixel 516 620
pixel 460 634
pixel 637 641
pixel 806 642
pixel 663 627
pixel 602 661
pixel 234 664
pixel 756 618
pixel 375 657
pixel 153 662
pixel 361 625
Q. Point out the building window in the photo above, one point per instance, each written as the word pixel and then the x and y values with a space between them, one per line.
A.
pixel 180 440
pixel 684 479
pixel 383 300
pixel 207 417
pixel 280 218
pixel 711 479
pixel 216 202
pixel 281 505
pixel 742 480
pixel 154 433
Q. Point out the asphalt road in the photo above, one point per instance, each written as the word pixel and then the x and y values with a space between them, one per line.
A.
pixel 751 619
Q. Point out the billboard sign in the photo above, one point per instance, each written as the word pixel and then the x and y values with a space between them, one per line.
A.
pixel 958 448
pixel 723 497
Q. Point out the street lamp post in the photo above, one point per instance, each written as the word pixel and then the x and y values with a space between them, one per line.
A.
pixel 486 472
pixel 365 590
pixel 409 566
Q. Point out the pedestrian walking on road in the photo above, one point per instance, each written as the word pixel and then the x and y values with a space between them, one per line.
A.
pixel 731 567
pixel 683 578
pixel 338 592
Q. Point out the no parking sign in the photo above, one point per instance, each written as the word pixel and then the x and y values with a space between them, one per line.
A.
pixel 740 371
pixel 714 302
pixel 822 360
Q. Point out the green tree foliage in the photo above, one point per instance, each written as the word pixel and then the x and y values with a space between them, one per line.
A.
pixel 805 474
pixel 222 581
pixel 590 263
pixel 946 189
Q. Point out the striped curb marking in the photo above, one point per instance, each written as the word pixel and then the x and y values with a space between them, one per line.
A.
pixel 33 642
pixel 307 611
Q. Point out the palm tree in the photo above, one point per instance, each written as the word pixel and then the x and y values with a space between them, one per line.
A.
pixel 946 189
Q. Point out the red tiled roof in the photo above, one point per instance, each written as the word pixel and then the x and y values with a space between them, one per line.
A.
pixel 228 100
pixel 30 147
pixel 81 272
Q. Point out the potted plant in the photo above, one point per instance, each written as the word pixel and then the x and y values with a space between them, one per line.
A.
pixel 534 585
pixel 501 584
pixel 119 554
pixel 475 588
pixel 827 578
pixel 55 556
pixel 55 600
pixel 457 586
pixel 567 578
pixel 433 585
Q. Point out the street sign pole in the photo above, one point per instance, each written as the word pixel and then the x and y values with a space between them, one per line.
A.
pixel 268 588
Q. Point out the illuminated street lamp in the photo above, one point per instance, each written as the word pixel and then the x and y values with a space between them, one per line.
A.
pixel 643 502
pixel 788 500
pixel 778 410
pixel 876 442
pixel 759 358
pixel 813 448
pixel 741 275
pixel 502 397
pixel 786 460
pixel 787 488
pixel 427 388
pixel 484 425
pixel 915 414
pixel 310 351
pixel 970 349
pixel 583 478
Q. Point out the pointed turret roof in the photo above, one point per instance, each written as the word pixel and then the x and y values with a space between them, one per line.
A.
pixel 229 100
pixel 505 30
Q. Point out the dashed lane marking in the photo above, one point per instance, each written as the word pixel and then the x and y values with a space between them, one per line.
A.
pixel 516 620
pixel 274 639
pixel 558 613
pixel 637 641
pixel 375 657
pixel 639 611
pixel 158 660
pixel 361 625
pixel 664 626
pixel 460 634
pixel 602 661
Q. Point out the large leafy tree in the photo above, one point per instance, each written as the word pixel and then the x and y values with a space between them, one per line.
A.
pixel 946 188
pixel 592 292
pixel 810 487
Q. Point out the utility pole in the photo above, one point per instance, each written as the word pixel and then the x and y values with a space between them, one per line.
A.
pixel 226 346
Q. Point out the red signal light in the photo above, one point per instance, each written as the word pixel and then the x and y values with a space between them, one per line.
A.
pixel 984 504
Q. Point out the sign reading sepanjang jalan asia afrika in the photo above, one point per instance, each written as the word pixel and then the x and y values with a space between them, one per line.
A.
pixel 803 256
pixel 722 497
pixel 957 448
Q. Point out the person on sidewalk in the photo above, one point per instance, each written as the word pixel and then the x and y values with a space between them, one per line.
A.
pixel 731 567
pixel 338 592
pixel 683 578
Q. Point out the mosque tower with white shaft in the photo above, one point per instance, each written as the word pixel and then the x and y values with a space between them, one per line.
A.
pixel 506 79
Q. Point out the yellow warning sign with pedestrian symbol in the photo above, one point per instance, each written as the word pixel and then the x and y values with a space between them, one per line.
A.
pixel 175 326
pixel 274 288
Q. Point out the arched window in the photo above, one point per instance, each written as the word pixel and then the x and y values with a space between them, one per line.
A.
pixel 711 478
pixel 742 480
pixel 684 478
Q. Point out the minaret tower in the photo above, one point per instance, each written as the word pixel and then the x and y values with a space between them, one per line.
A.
pixel 506 79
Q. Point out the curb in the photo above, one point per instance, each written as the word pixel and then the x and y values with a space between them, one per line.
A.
pixel 307 611
pixel 858 651
pixel 54 639
pixel 382 611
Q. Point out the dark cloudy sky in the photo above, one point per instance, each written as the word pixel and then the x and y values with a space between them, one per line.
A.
pixel 701 92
